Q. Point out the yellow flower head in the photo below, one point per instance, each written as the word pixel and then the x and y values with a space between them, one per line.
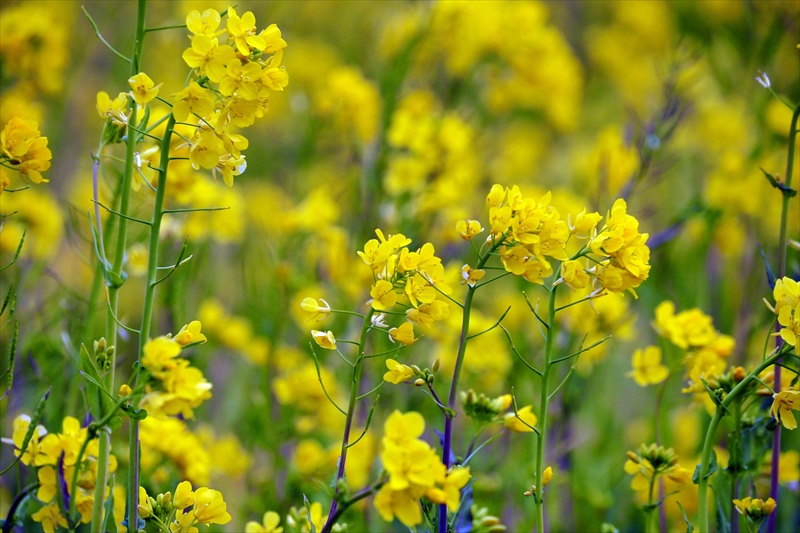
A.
pixel 470 276
pixel 522 423
pixel 319 310
pixel 192 99
pixel 468 228
pixel 325 339
pixel 184 496
pixel 383 295
pixel 783 404
pixel 205 24
pixel 143 88
pixel 754 508
pixel 398 373
pixel 401 428
pixel 115 109
pixel 403 334
pixel 242 31
pixel 190 334
pixel 209 507
pixel 647 367
pixel 159 355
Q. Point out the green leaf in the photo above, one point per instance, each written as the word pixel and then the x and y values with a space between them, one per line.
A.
pixel 770 273
pixel 778 185
pixel 37 415
pixel 689 526
pixel 307 505
pixel 99 403
pixel 712 469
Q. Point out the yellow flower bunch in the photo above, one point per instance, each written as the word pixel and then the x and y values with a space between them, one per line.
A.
pixel 244 79
pixel 172 439
pixel 46 451
pixel 755 508
pixel 233 331
pixel 183 387
pixel 707 350
pixel 532 232
pixel 404 276
pixel 24 149
pixel 179 513
pixel 415 471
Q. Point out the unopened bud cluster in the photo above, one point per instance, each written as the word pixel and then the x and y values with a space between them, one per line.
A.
pixel 103 354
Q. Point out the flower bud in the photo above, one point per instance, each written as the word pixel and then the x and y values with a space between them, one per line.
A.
pixel 125 390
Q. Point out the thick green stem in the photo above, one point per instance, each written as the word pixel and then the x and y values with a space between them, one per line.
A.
pixel 147 315
pixel 708 444
pixel 116 270
pixel 548 356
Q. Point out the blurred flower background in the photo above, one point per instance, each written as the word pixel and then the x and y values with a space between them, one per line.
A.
pixel 401 115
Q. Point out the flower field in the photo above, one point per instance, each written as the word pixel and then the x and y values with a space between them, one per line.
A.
pixel 392 266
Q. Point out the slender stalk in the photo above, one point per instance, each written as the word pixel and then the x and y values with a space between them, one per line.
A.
pixel 735 461
pixel 776 436
pixel 649 515
pixel 116 270
pixel 538 498
pixel 708 444
pixel 449 415
pixel 333 515
pixel 147 315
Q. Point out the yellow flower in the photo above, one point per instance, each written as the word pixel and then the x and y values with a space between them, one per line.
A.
pixel 190 334
pixel 34 454
pixel 401 428
pixel 647 367
pixel 145 508
pixel 47 484
pixel 782 405
pixel 50 517
pixel 144 90
pixel 789 318
pixel 17 136
pixel 573 275
pixel 449 490
pixel 241 79
pixel 319 312
pixel 209 507
pixel 209 56
pixel 205 24
pixel 471 276
pixel 547 476
pixel 468 228
pixel 523 423
pixel 274 76
pixel 398 373
pixel 324 338
pixel 184 496
pixel 584 223
pixel 243 32
pixel 115 109
pixel 192 99
pixel 404 334
pixel 755 508
pixel 270 524
pixel 383 295
pixel 125 390
pixel 159 355
pixel 495 196
pixel 403 504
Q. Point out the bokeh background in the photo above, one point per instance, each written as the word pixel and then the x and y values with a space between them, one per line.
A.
pixel 401 115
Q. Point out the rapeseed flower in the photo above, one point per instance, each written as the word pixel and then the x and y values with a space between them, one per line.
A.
pixel 783 404
pixel 144 90
pixel 324 339
pixel 647 367
pixel 398 373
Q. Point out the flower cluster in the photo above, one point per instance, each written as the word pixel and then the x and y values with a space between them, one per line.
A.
pixel 707 350
pixel 234 332
pixel 25 150
pixel 183 387
pixel 485 410
pixel 755 509
pixel 244 79
pixel 45 452
pixel 415 471
pixel 650 462
pixel 532 233
pixel 179 513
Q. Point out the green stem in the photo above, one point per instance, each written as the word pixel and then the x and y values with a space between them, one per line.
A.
pixel 147 315
pixel 548 354
pixel 116 269
pixel 649 514
pixel 708 444
pixel 348 423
